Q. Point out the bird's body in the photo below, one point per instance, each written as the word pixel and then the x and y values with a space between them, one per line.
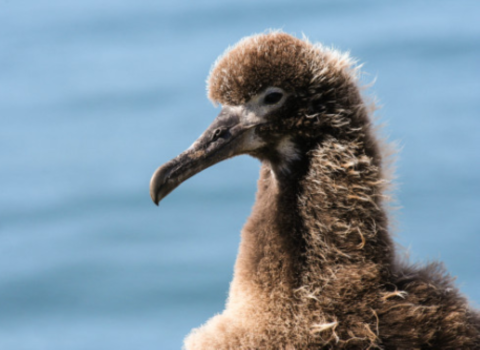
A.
pixel 316 267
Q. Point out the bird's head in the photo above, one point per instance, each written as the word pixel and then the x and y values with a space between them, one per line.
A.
pixel 279 95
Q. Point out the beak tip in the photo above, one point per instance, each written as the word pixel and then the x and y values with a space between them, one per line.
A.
pixel 155 182
pixel 154 196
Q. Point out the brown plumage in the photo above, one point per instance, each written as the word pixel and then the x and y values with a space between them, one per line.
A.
pixel 316 266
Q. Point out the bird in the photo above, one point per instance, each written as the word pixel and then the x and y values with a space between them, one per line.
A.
pixel 317 267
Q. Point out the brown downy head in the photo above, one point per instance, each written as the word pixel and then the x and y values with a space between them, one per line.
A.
pixel 280 95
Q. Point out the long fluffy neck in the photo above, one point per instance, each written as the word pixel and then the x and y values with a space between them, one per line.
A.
pixel 323 229
pixel 272 242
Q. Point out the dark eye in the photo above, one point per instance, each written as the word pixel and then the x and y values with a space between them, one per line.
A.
pixel 273 98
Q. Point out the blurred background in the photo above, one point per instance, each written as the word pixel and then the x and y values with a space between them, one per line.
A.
pixel 95 95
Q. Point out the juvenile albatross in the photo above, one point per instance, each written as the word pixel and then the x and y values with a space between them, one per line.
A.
pixel 316 266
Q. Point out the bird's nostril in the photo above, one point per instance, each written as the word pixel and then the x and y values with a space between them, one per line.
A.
pixel 216 134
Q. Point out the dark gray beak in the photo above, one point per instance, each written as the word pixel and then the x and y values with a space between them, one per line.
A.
pixel 226 137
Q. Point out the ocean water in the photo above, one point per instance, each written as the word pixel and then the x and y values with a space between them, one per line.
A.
pixel 94 96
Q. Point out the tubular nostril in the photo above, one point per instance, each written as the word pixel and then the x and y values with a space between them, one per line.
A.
pixel 216 134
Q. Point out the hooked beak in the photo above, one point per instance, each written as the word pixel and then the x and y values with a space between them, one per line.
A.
pixel 229 135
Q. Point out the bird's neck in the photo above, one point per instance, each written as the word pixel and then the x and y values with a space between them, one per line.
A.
pixel 319 225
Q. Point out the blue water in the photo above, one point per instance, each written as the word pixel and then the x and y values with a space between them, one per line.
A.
pixel 95 95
